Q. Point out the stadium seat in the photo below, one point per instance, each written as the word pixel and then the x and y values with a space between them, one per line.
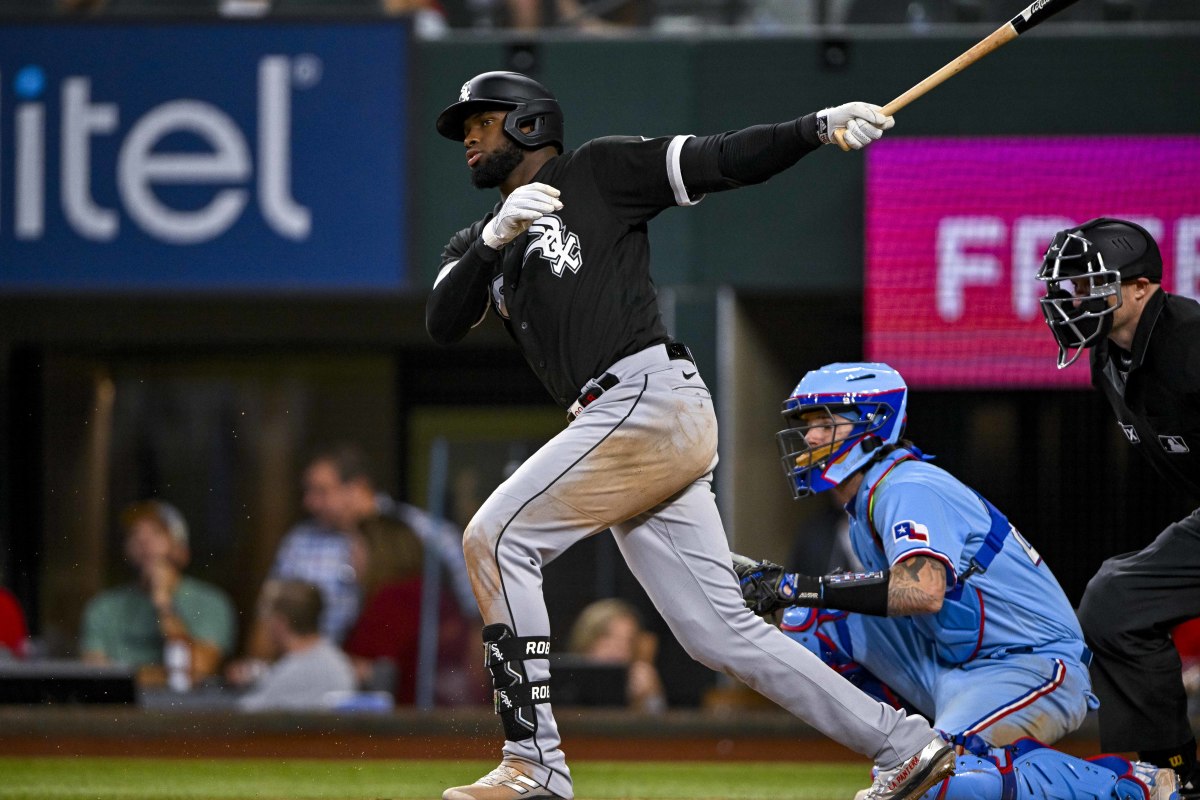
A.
pixel 26 9
pixel 1170 10
pixel 160 8
pixel 327 8
pixel 911 13
pixel 1096 11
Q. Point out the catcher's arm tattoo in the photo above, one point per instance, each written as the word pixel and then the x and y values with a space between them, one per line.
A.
pixel 917 586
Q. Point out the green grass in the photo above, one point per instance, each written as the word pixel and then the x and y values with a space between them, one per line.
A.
pixel 261 779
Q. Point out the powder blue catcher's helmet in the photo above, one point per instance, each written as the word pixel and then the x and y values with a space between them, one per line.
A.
pixel 862 403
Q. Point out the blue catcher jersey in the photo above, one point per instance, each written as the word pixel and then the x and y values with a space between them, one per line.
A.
pixel 908 507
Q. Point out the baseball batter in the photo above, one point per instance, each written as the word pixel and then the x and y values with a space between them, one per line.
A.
pixel 563 259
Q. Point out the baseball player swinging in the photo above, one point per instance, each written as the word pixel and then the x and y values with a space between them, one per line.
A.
pixel 956 612
pixel 563 260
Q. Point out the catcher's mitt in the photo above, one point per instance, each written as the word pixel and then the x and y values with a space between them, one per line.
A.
pixel 766 586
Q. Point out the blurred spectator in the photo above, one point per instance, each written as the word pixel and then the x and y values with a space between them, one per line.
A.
pixel 1186 637
pixel 428 16
pixel 14 635
pixel 311 666
pixel 589 16
pixel 610 631
pixel 339 493
pixel 81 7
pixel 364 501
pixel 317 550
pixel 385 640
pixel 131 624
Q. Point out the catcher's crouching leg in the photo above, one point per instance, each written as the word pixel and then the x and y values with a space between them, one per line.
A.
pixel 824 634
pixel 1028 770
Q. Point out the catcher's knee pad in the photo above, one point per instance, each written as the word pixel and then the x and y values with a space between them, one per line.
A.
pixel 1028 770
pixel 826 634
pixel 823 633
pixel 514 693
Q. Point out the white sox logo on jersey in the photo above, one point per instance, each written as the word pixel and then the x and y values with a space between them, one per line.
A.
pixel 549 236
pixel 498 295
pixel 1130 433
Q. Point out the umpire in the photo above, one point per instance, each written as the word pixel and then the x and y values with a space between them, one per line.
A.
pixel 1103 292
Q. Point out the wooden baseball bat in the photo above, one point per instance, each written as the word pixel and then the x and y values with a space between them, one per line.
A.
pixel 1035 13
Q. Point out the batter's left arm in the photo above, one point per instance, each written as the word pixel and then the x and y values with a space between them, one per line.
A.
pixel 754 154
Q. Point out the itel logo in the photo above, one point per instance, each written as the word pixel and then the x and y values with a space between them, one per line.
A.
pixel 226 160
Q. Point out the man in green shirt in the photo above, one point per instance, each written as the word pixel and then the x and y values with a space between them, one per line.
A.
pixel 131 624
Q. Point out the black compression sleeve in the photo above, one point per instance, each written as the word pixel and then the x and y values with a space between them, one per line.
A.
pixel 459 299
pixel 749 156
pixel 866 593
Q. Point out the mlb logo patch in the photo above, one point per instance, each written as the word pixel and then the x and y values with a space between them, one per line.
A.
pixel 908 529
pixel 1173 444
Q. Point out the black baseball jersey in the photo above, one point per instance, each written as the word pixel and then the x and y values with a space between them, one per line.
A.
pixel 1155 389
pixel 574 290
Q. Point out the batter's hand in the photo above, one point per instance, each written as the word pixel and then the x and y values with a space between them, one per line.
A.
pixel 860 123
pixel 520 209
pixel 766 587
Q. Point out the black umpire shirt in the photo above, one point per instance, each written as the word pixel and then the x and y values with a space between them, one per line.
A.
pixel 1155 389
pixel 574 290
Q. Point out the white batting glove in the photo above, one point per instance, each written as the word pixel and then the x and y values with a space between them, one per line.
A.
pixel 520 209
pixel 860 123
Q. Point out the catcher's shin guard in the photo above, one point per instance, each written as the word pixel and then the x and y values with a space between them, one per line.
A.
pixel 1028 770
pixel 514 693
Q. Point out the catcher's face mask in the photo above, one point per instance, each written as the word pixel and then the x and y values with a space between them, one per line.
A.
pixel 837 417
pixel 1077 307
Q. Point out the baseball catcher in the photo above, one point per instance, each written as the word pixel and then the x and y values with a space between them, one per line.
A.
pixel 955 613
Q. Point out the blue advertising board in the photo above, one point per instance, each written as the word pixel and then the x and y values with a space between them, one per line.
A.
pixel 204 156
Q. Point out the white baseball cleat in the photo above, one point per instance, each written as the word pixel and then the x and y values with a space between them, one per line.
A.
pixel 1162 782
pixel 932 763
pixel 505 782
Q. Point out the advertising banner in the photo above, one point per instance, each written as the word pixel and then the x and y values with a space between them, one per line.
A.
pixel 956 229
pixel 263 156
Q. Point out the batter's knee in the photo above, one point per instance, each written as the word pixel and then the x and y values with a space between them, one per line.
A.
pixel 479 552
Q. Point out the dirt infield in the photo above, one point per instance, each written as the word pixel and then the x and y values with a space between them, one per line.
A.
pixel 340 745
pixel 470 734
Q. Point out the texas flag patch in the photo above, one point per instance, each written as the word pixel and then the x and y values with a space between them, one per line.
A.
pixel 908 529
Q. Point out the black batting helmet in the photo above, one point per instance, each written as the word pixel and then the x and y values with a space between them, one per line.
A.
pixel 527 101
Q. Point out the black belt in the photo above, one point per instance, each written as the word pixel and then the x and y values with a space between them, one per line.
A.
pixel 675 351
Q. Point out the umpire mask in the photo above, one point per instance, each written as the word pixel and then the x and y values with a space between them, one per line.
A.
pixel 1082 269
pixel 1078 287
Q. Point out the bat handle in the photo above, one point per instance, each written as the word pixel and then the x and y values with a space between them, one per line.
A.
pixel 839 134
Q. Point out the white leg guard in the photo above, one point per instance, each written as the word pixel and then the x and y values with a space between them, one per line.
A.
pixel 1029 770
